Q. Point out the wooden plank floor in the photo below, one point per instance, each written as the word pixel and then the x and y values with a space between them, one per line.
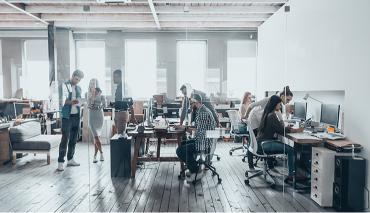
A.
pixel 31 185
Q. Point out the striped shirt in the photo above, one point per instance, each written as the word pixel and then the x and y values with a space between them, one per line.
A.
pixel 203 121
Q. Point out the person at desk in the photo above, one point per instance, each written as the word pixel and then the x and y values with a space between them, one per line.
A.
pixel 70 119
pixel 96 102
pixel 207 103
pixel 185 104
pixel 285 95
pixel 271 126
pixel 204 121
pixel 246 101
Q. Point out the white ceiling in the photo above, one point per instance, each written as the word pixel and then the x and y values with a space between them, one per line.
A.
pixel 138 14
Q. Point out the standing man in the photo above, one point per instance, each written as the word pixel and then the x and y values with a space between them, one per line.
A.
pixel 185 105
pixel 121 116
pixel 70 119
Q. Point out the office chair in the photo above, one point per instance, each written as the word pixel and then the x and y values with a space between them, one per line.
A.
pixel 204 158
pixel 235 130
pixel 265 171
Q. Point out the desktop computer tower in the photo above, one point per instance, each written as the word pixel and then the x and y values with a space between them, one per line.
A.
pixel 349 183
pixel 120 154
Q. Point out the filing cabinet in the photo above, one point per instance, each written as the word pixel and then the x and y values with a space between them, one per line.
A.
pixel 322 175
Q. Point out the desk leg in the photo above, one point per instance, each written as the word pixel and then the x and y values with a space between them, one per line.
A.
pixel 137 143
pixel 159 148
pixel 295 171
pixel 179 140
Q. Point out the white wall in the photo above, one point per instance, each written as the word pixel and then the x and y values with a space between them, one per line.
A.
pixel 328 48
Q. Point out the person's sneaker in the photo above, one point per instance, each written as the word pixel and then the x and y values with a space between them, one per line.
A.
pixel 72 162
pixel 95 160
pixel 101 157
pixel 60 166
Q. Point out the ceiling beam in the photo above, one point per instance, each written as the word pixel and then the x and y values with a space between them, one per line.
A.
pixel 159 9
pixel 154 13
pixel 22 25
pixel 139 17
pixel 154 1
pixel 21 9
pixel 151 24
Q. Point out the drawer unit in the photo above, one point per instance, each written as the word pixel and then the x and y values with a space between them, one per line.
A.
pixel 322 175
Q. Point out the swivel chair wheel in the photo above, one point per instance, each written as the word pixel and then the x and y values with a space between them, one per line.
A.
pixel 243 159
pixel 219 181
pixel 218 158
pixel 230 153
pixel 246 182
pixel 246 174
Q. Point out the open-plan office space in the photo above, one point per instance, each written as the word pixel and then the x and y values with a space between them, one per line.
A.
pixel 184 105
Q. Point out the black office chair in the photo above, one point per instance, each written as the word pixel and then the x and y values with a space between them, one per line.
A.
pixel 204 158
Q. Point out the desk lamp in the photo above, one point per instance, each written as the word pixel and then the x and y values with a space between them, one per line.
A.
pixel 307 96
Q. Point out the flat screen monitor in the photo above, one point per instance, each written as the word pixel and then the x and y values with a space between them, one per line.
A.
pixel 300 110
pixel 330 114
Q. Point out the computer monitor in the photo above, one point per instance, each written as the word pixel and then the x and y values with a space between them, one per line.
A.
pixel 330 114
pixel 300 110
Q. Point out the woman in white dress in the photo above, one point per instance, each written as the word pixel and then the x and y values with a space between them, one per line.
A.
pixel 96 102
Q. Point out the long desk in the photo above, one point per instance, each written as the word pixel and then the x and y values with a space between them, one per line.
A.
pixel 139 138
pixel 300 140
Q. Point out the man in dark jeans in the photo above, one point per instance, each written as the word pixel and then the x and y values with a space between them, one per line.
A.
pixel 70 119
pixel 203 121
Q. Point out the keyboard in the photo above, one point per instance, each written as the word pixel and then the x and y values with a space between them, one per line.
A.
pixel 330 136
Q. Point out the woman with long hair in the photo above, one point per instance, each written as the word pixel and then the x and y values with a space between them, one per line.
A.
pixel 246 101
pixel 96 102
pixel 270 127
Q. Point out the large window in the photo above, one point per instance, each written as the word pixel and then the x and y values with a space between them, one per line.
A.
pixel 35 73
pixel 141 68
pixel 91 61
pixel 241 67
pixel 192 63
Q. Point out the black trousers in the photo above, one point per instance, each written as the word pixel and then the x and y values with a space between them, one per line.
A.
pixel 70 128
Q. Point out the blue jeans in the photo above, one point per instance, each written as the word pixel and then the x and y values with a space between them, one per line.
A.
pixel 70 128
pixel 186 153
pixel 277 147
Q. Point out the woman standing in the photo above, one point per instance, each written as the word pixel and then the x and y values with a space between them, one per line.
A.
pixel 96 102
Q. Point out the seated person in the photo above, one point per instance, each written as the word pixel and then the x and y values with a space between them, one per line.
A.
pixel 203 121
pixel 271 126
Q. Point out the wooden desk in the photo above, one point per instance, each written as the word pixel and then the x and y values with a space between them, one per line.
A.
pixel 300 140
pixel 303 138
pixel 139 139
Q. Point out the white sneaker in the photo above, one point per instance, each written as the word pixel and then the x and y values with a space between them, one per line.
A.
pixel 60 166
pixel 95 160
pixel 101 157
pixel 72 162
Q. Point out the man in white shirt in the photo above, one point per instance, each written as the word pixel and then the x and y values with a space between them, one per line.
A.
pixel 70 119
